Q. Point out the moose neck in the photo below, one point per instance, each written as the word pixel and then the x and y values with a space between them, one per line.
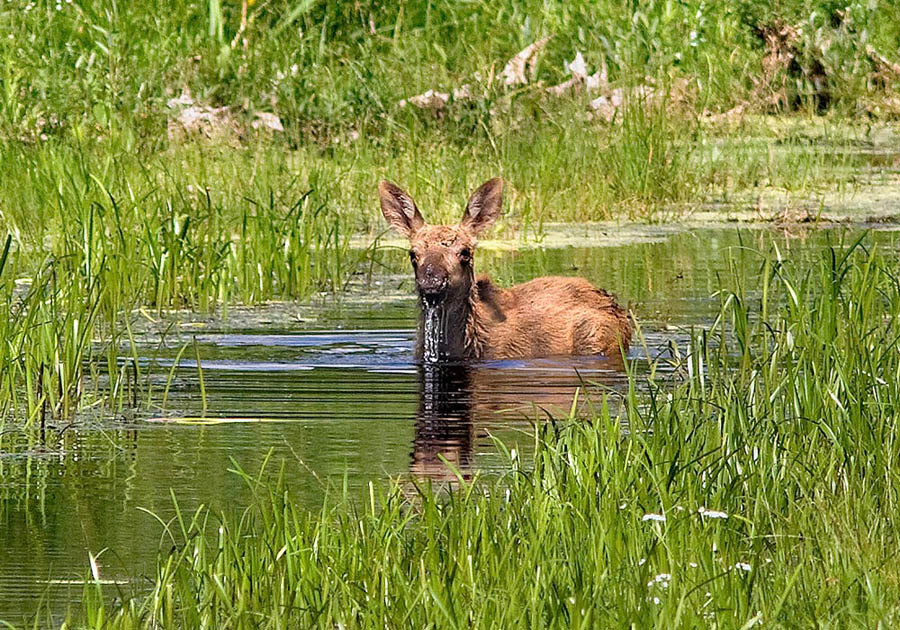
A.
pixel 442 329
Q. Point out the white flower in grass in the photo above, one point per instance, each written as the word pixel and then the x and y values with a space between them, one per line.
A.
pixel 659 518
pixel 743 566
pixel 657 600
pixel 662 580
pixel 711 513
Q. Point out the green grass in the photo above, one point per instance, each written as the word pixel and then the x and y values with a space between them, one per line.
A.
pixel 784 418
pixel 108 214
pixel 94 237
pixel 114 66
pixel 103 214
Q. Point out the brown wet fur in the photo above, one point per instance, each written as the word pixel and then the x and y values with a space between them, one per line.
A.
pixel 543 317
pixel 549 316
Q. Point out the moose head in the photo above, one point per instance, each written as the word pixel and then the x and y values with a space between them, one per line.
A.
pixel 442 255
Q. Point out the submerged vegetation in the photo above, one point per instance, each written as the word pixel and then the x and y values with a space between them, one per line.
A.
pixel 758 488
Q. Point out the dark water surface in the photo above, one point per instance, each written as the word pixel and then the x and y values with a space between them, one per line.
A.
pixel 330 394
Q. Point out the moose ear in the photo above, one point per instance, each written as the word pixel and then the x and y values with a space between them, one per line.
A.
pixel 484 206
pixel 399 209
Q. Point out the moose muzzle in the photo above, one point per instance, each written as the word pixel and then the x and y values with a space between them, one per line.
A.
pixel 432 280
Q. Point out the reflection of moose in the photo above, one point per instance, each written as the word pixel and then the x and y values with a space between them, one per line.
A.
pixel 458 401
pixel 444 423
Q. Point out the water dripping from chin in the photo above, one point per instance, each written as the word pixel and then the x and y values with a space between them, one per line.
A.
pixel 434 332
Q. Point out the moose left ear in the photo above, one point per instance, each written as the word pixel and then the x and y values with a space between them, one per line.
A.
pixel 399 209
pixel 484 206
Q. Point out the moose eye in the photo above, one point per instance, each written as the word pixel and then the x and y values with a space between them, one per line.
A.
pixel 465 255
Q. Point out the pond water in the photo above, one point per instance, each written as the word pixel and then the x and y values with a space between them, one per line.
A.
pixel 329 393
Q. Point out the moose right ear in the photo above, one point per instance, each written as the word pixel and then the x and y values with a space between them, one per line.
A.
pixel 484 206
pixel 399 209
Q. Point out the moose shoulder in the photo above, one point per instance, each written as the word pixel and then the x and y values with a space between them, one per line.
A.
pixel 462 317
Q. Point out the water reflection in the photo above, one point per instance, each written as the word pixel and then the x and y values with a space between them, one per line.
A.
pixel 460 402
pixel 444 438
pixel 345 401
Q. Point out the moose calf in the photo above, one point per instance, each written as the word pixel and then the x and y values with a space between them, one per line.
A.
pixel 467 318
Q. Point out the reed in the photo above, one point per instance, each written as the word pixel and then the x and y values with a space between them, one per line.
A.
pixel 107 243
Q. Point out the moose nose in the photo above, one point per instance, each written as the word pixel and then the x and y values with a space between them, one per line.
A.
pixel 431 279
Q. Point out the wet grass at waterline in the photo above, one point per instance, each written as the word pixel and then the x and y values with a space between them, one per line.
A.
pixel 759 488
pixel 107 241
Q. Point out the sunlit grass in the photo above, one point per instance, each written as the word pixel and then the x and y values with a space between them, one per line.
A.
pixel 106 213
pixel 785 417
pixel 759 487
pixel 93 239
